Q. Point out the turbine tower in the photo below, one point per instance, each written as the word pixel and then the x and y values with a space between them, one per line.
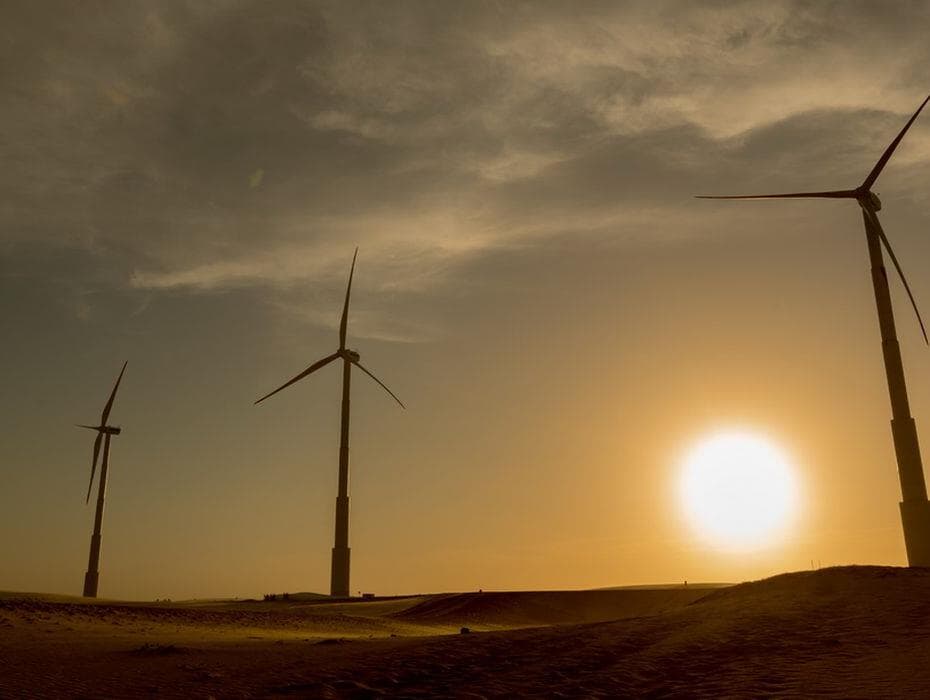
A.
pixel 104 432
pixel 339 577
pixel 915 509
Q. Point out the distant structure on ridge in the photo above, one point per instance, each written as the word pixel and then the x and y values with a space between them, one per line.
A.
pixel 915 509
pixel 339 579
pixel 104 433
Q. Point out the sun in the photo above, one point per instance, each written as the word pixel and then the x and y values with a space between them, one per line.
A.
pixel 738 490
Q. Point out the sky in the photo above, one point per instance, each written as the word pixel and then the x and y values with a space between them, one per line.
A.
pixel 184 184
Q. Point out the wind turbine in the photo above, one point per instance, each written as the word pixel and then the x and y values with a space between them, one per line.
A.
pixel 339 576
pixel 915 509
pixel 104 432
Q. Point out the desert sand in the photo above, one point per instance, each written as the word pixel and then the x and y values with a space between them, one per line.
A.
pixel 843 632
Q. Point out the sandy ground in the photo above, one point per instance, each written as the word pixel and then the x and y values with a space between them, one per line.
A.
pixel 844 632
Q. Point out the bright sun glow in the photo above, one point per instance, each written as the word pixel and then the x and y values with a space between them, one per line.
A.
pixel 738 490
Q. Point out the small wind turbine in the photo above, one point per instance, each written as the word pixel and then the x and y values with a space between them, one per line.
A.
pixel 104 432
pixel 915 509
pixel 339 575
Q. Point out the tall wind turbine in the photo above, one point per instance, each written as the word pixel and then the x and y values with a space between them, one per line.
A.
pixel 104 432
pixel 339 577
pixel 915 509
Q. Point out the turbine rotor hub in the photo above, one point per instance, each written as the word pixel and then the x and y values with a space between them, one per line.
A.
pixel 871 198
pixel 351 355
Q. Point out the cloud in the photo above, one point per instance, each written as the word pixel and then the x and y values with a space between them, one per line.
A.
pixel 233 144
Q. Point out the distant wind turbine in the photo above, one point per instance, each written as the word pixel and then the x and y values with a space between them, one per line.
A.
pixel 339 577
pixel 104 432
pixel 915 509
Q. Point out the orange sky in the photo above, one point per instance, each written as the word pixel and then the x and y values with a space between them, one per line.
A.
pixel 534 281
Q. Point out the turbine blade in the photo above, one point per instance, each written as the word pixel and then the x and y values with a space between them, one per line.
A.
pixel 106 409
pixel 835 194
pixel 345 309
pixel 312 368
pixel 359 365
pixel 93 466
pixel 89 427
pixel 886 156
pixel 870 217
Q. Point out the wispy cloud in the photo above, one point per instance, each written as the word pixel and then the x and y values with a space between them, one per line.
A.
pixel 254 144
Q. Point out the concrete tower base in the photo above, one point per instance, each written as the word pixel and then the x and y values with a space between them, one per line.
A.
pixel 339 587
pixel 90 584
pixel 93 565
pixel 915 518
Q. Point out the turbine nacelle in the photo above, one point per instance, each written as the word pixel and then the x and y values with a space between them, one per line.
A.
pixel 104 429
pixel 874 201
pixel 863 193
pixel 867 200
pixel 350 356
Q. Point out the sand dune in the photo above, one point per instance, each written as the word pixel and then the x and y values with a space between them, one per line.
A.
pixel 854 631
pixel 529 608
